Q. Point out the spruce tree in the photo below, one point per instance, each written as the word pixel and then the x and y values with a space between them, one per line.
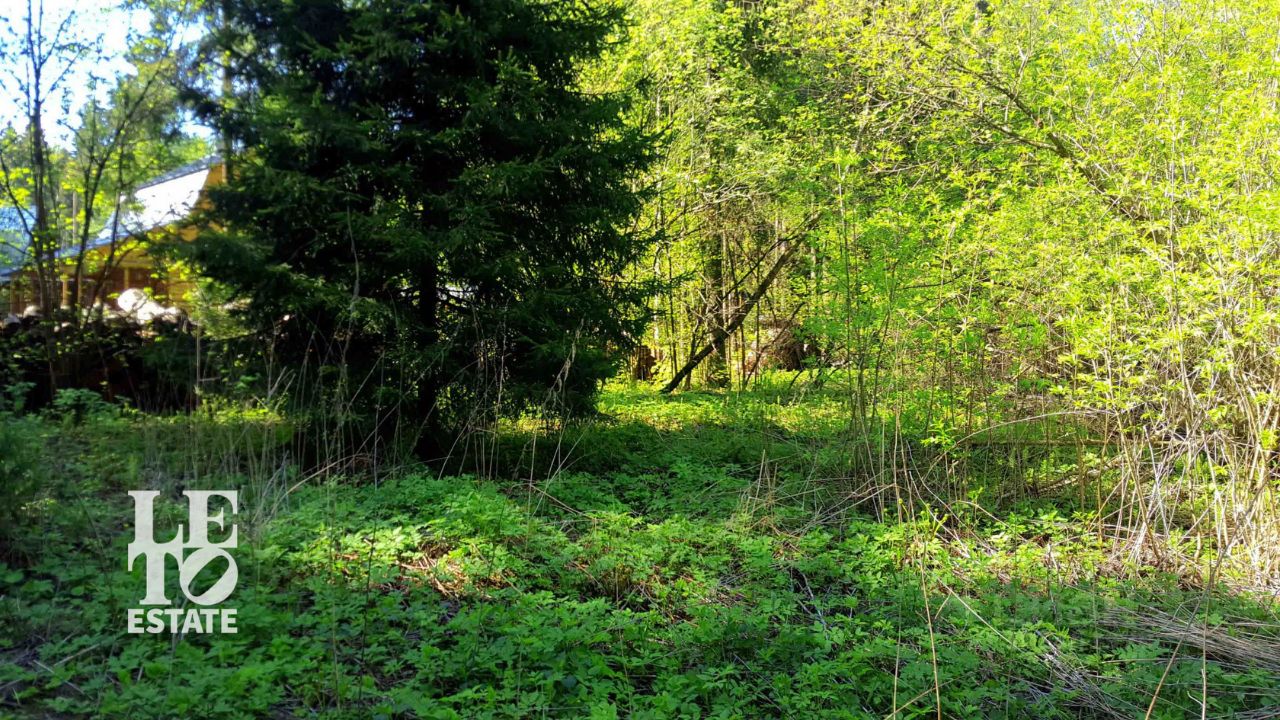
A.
pixel 427 203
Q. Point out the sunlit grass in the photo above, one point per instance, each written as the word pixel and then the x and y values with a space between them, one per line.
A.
pixel 685 557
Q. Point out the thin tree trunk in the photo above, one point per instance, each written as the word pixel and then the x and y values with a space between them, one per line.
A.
pixel 224 135
pixel 430 444
pixel 713 259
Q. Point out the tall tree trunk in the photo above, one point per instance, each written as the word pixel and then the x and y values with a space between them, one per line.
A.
pixel 44 242
pixel 430 445
pixel 717 365
pixel 224 136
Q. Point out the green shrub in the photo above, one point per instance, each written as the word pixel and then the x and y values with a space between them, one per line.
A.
pixel 75 405
pixel 19 462
pixel 13 397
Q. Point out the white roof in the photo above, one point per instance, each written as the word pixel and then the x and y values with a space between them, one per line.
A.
pixel 161 203
pixel 167 200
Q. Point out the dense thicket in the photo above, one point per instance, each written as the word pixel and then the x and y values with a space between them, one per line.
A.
pixel 1055 218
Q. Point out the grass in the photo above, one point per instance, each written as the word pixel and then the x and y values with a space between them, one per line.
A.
pixel 695 556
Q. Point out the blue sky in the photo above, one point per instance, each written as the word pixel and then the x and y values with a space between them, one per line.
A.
pixel 100 22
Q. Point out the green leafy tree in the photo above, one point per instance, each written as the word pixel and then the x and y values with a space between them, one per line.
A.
pixel 734 182
pixel 432 209
pixel 80 136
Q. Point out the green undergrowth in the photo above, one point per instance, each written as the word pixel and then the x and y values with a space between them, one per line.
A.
pixel 661 573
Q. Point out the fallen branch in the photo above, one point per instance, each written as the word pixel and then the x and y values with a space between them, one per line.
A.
pixel 792 246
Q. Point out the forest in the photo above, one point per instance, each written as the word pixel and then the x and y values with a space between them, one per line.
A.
pixel 640 359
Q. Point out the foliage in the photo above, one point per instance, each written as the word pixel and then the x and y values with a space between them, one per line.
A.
pixel 665 590
pixel 19 472
pixel 147 365
pixel 442 224
pixel 1023 211
pixel 75 405
pixel 981 296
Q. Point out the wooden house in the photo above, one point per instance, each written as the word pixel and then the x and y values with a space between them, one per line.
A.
pixel 117 258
